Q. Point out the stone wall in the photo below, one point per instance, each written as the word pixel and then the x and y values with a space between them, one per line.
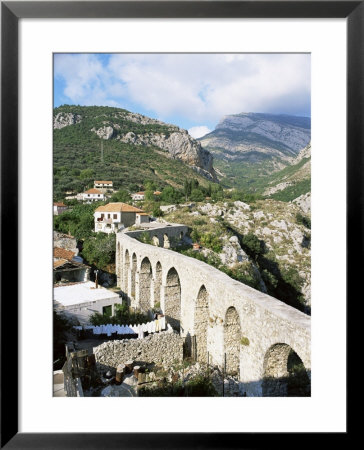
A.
pixel 164 348
pixel 65 241
pixel 193 293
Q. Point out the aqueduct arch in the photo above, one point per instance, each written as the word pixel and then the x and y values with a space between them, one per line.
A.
pixel 119 262
pixel 284 373
pixel 155 241
pixel 145 285
pixel 190 291
pixel 232 336
pixel 158 284
pixel 133 276
pixel 172 299
pixel 166 243
pixel 201 321
pixel 126 272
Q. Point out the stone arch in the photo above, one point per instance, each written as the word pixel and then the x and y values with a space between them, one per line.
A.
pixel 133 275
pixel 120 267
pixel 158 283
pixel 201 324
pixel 166 243
pixel 155 241
pixel 126 272
pixel 232 336
pixel 284 374
pixel 172 299
pixel 145 283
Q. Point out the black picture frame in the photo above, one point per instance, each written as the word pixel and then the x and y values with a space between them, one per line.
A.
pixel 11 12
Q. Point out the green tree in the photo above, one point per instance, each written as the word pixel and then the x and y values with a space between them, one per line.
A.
pixel 169 195
pixel 87 174
pixel 122 195
pixel 79 222
pixel 149 195
pixel 157 212
pixel 253 245
pixel 197 195
pixel 100 249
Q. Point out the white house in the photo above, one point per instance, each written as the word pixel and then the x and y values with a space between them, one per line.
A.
pixel 80 300
pixel 93 195
pixel 141 217
pixel 59 208
pixel 104 186
pixel 138 196
pixel 109 218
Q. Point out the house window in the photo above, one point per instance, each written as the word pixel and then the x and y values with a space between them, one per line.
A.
pixel 115 216
pixel 108 216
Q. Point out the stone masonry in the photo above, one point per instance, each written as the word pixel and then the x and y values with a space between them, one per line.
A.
pixel 253 329
pixel 164 348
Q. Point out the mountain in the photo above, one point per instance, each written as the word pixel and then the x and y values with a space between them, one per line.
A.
pixel 125 147
pixel 249 146
pixel 292 181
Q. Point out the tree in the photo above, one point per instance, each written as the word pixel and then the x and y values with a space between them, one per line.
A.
pixel 157 212
pixel 122 195
pixel 149 195
pixel 253 245
pixel 169 195
pixel 79 221
pixel 197 195
pixel 87 174
pixel 187 189
pixel 100 249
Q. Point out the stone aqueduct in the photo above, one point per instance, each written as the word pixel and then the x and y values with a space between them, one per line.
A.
pixel 201 301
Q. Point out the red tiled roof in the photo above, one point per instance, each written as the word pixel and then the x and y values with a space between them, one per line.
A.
pixel 59 263
pixel 118 207
pixel 62 253
pixel 93 191
pixel 59 204
pixel 103 182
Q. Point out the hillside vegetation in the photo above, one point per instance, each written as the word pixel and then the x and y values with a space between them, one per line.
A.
pixel 77 152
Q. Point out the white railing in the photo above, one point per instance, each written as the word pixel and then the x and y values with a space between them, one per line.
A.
pixel 154 326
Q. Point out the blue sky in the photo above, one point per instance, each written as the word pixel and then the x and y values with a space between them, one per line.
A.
pixel 193 91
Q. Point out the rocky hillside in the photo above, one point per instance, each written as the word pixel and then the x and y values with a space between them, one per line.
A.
pixel 249 146
pixel 265 244
pixel 292 181
pixel 124 127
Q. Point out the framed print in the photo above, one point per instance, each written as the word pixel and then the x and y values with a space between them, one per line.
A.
pixel 174 141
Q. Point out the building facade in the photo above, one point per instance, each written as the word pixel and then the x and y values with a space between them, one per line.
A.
pixel 93 195
pixel 114 216
pixel 103 186
pixel 59 208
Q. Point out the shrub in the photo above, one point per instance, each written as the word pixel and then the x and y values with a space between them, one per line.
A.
pixel 244 341
pixel 122 316
pixel 145 238
pixel 303 220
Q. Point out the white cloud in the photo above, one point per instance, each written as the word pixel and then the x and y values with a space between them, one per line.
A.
pixel 200 87
pixel 199 131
